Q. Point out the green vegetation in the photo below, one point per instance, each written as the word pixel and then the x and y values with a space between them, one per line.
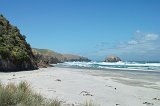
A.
pixel 22 95
pixel 12 43
pixel 14 50
pixel 45 51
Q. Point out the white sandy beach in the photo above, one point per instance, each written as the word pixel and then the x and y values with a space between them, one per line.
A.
pixel 75 86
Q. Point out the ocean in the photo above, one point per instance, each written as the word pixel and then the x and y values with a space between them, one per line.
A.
pixel 125 66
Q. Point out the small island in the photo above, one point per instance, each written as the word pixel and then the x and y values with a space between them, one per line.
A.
pixel 112 58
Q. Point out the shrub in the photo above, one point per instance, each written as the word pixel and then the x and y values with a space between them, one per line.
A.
pixel 19 54
pixel 4 52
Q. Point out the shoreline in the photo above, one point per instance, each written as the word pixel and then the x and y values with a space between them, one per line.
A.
pixel 76 86
pixel 115 66
pixel 113 69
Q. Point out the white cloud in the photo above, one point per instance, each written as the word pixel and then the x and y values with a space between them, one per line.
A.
pixel 151 37
pixel 132 42
pixel 142 44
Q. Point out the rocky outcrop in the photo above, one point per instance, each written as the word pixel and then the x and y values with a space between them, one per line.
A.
pixel 112 59
pixel 15 52
pixel 44 59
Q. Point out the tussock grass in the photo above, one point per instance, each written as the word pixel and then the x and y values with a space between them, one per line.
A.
pixel 22 95
pixel 89 103
pixel 54 102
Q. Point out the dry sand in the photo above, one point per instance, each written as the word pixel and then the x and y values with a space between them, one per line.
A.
pixel 79 85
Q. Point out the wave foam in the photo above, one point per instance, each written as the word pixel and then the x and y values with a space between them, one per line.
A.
pixel 115 65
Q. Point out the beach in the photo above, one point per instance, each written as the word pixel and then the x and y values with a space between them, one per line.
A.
pixel 76 86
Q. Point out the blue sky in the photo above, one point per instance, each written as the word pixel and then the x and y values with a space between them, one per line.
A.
pixel 129 29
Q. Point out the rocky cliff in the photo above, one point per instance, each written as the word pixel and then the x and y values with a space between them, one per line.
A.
pixel 45 57
pixel 15 53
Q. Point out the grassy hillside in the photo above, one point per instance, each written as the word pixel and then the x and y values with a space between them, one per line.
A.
pixel 60 57
pixel 47 52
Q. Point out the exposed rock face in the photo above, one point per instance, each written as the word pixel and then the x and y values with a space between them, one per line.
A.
pixel 44 59
pixel 15 52
pixel 112 59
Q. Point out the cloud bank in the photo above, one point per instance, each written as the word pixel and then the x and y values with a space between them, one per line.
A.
pixel 143 46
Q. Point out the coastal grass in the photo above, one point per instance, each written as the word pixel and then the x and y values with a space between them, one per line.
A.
pixel 89 103
pixel 22 95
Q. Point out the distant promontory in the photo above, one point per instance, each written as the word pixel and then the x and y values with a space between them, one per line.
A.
pixel 45 57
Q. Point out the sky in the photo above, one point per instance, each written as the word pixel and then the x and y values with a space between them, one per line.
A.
pixel 129 29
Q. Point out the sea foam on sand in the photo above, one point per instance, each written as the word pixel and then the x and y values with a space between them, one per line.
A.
pixel 76 86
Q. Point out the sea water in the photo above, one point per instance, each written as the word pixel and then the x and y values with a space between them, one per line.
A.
pixel 149 71
pixel 132 66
